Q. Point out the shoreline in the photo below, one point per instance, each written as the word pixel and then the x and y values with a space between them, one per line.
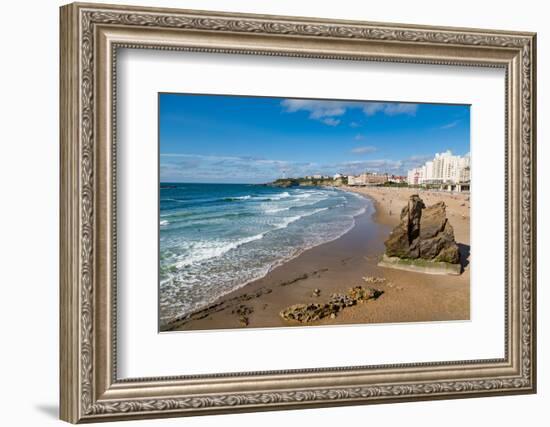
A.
pixel 340 264
pixel 216 301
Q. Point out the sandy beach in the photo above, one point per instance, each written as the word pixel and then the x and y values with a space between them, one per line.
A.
pixel 339 265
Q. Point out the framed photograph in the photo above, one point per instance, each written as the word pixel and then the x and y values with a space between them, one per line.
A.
pixel 265 212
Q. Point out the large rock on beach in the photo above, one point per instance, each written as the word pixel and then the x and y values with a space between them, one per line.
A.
pixel 423 233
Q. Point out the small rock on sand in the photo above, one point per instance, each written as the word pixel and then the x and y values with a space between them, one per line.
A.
pixel 305 313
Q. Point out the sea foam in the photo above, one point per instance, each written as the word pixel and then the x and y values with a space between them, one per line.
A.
pixel 213 247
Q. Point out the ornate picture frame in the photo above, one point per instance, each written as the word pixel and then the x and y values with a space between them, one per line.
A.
pixel 90 37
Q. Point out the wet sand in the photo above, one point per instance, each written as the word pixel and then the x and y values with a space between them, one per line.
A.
pixel 341 264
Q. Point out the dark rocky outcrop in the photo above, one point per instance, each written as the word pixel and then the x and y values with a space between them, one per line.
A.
pixel 307 182
pixel 243 311
pixel 284 183
pixel 423 233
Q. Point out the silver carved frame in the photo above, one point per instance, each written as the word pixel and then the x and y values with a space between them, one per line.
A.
pixel 90 36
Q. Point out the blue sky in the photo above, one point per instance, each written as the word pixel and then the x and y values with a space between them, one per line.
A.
pixel 209 138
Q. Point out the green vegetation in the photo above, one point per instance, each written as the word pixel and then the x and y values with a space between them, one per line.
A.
pixel 394 184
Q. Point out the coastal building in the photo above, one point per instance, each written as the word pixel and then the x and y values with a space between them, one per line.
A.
pixel 397 179
pixel 464 175
pixel 368 178
pixel 416 176
pixel 429 169
pixel 354 180
pixel 446 170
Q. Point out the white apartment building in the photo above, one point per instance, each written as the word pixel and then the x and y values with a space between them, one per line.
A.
pixel 416 176
pixel 428 169
pixel 445 168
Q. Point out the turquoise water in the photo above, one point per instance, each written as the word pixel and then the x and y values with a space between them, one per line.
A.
pixel 215 238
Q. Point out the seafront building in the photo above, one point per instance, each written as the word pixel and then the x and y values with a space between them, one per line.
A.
pixel 374 178
pixel 367 178
pixel 446 170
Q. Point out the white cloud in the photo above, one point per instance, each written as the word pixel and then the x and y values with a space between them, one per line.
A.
pixel 394 109
pixel 326 111
pixel 371 108
pixel 416 161
pixel 364 150
pixel 376 165
pixel 316 109
pixel 330 121
pixel 216 168
pixel 450 125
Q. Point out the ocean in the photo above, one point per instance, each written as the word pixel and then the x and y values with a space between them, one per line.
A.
pixel 215 238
